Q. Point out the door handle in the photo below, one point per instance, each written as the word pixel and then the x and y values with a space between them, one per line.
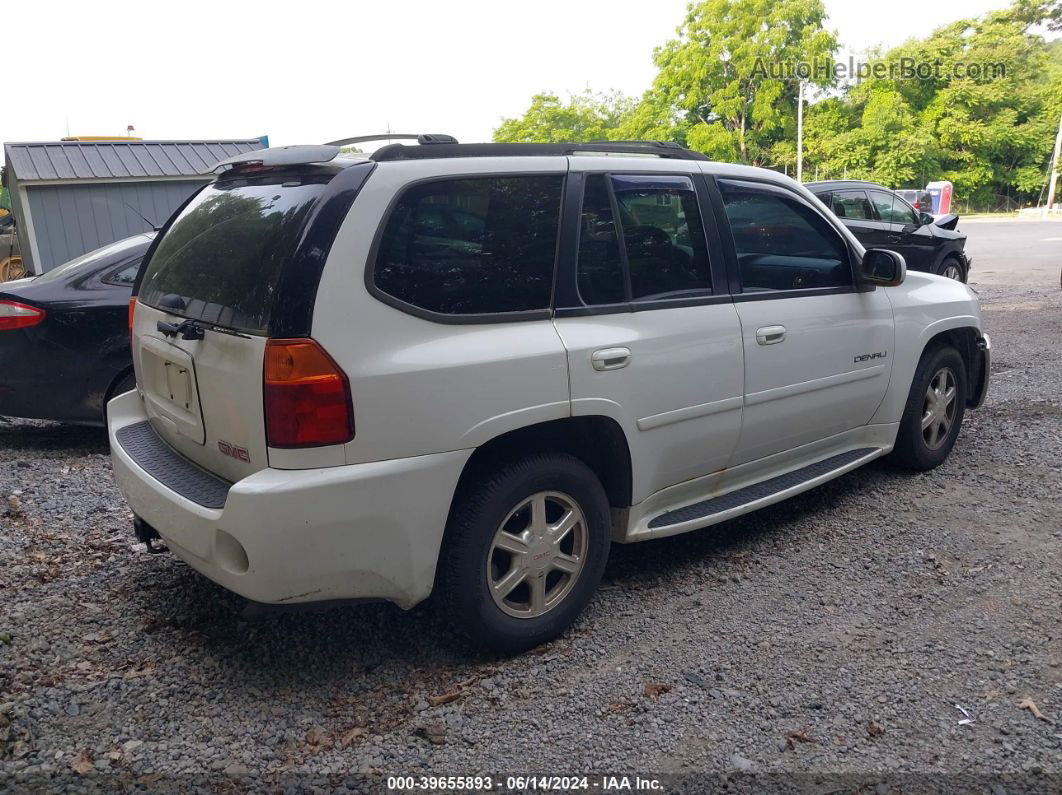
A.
pixel 611 358
pixel 770 335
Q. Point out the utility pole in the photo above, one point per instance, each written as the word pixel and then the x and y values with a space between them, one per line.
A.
pixel 1054 168
pixel 800 132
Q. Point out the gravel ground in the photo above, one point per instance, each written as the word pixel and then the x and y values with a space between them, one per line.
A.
pixel 850 631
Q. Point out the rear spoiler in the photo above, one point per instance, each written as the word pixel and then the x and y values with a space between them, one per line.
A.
pixel 317 153
pixel 280 156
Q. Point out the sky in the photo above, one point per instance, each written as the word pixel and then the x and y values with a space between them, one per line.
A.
pixel 311 71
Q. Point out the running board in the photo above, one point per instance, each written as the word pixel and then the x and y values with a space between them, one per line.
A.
pixel 759 495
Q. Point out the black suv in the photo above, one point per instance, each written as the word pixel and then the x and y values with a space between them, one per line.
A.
pixel 882 219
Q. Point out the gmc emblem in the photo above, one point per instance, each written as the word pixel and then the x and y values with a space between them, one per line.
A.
pixel 232 451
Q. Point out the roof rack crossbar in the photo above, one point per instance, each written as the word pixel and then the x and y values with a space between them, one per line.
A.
pixel 662 149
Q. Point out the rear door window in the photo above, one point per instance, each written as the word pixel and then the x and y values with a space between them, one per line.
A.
pixel 93 261
pixel 221 258
pixel 124 276
pixel 851 205
pixel 664 252
pixel 667 252
pixel 600 268
pixel 472 246
pixel 892 209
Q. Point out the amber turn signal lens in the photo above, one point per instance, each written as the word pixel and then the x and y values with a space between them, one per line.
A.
pixel 307 396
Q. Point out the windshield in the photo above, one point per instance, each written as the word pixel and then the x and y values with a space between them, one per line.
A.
pixel 221 258
pixel 111 254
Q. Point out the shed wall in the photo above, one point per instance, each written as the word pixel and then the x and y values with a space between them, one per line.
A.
pixel 69 220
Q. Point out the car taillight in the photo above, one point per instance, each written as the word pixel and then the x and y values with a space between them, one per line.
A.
pixel 132 309
pixel 307 396
pixel 15 315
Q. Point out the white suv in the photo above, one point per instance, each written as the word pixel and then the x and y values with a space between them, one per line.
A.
pixel 467 369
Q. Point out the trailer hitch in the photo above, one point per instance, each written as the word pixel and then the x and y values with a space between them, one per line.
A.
pixel 149 536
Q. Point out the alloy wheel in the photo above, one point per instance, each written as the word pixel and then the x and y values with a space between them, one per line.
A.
pixel 938 410
pixel 537 554
pixel 952 271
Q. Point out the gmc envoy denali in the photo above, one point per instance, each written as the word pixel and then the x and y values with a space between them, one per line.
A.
pixel 468 369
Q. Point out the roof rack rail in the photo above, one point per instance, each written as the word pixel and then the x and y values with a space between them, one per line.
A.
pixel 421 138
pixel 663 149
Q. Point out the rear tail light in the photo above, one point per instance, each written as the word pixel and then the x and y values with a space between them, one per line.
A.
pixel 15 315
pixel 307 396
pixel 132 309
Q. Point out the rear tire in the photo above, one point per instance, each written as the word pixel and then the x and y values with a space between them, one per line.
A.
pixel 934 411
pixel 122 384
pixel 524 551
pixel 127 383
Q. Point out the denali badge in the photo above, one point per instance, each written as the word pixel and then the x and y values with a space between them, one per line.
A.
pixel 232 451
pixel 866 356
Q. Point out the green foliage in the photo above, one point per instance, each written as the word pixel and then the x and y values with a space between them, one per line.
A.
pixel 584 117
pixel 715 80
pixel 991 134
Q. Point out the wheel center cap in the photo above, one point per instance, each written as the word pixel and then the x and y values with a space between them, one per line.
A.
pixel 539 555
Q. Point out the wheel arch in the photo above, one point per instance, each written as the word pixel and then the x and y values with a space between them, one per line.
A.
pixel 913 340
pixel 955 251
pixel 112 387
pixel 965 340
pixel 597 441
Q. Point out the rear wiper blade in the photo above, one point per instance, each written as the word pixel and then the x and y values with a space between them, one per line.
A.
pixel 188 330
pixel 194 329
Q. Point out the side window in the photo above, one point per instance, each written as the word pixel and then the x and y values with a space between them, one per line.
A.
pixel 477 245
pixel 781 242
pixel 666 250
pixel 663 254
pixel 851 204
pixel 600 268
pixel 124 276
pixel 892 209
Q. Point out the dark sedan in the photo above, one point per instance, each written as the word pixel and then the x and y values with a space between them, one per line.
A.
pixel 880 218
pixel 64 336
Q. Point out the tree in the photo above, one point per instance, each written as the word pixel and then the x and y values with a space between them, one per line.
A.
pixel 727 85
pixel 729 81
pixel 584 117
pixel 988 131
pixel 1038 12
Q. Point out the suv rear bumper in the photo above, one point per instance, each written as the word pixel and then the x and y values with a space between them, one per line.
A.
pixel 362 531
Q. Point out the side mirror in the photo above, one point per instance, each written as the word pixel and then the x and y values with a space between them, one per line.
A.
pixel 926 219
pixel 883 267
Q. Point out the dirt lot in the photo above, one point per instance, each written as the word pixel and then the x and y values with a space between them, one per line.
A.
pixel 885 632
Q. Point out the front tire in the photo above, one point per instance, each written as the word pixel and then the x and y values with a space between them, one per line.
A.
pixel 952 268
pixel 934 412
pixel 524 551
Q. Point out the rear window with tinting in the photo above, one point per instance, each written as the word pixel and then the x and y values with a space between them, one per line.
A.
pixel 469 246
pixel 221 259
